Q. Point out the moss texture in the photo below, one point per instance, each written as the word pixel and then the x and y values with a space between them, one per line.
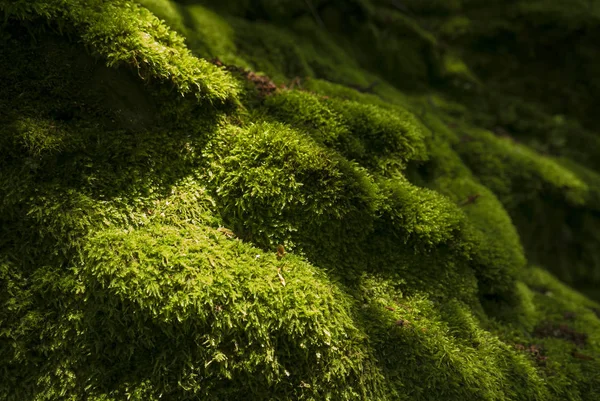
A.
pixel 320 200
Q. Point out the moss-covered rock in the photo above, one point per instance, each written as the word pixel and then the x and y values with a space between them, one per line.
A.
pixel 320 200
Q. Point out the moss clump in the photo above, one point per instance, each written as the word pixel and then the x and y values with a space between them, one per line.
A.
pixel 380 139
pixel 274 184
pixel 125 34
pixel 515 173
pixel 227 320
pixel 533 187
pixel 416 335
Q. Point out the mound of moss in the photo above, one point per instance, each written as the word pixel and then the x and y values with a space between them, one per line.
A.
pixel 282 200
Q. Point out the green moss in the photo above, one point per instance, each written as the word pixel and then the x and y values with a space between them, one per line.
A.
pixel 125 34
pixel 525 36
pixel 381 139
pixel 589 177
pixel 516 173
pixel 140 229
pixel 331 89
pixel 488 235
pixel 417 336
pixel 207 34
pixel 420 213
pixel 455 70
pixel 533 187
pixel 455 27
pixel 273 182
pixel 569 312
pixel 257 319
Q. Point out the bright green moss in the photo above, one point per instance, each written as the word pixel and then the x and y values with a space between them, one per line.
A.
pixel 393 136
pixel 255 319
pixel 311 113
pixel 381 139
pixel 169 12
pixel 207 34
pixel 272 182
pixel 421 215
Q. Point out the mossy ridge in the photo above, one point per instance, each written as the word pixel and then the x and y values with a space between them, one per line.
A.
pixel 380 139
pixel 286 207
pixel 72 163
pixel 69 220
pixel 571 186
pixel 273 182
pixel 123 33
pixel 551 115
pixel 254 315
pixel 401 224
pixel 516 173
pixel 495 262
pixel 415 335
pixel 533 187
pixel 558 304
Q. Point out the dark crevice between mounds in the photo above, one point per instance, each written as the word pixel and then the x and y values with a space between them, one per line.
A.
pixel 263 84
pixel 562 238
pixel 501 304
pixel 419 173
pixel 572 97
pixel 561 331
pixel 75 85
pixel 537 352
pixel 540 290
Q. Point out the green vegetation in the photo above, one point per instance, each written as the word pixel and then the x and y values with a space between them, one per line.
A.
pixel 320 200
